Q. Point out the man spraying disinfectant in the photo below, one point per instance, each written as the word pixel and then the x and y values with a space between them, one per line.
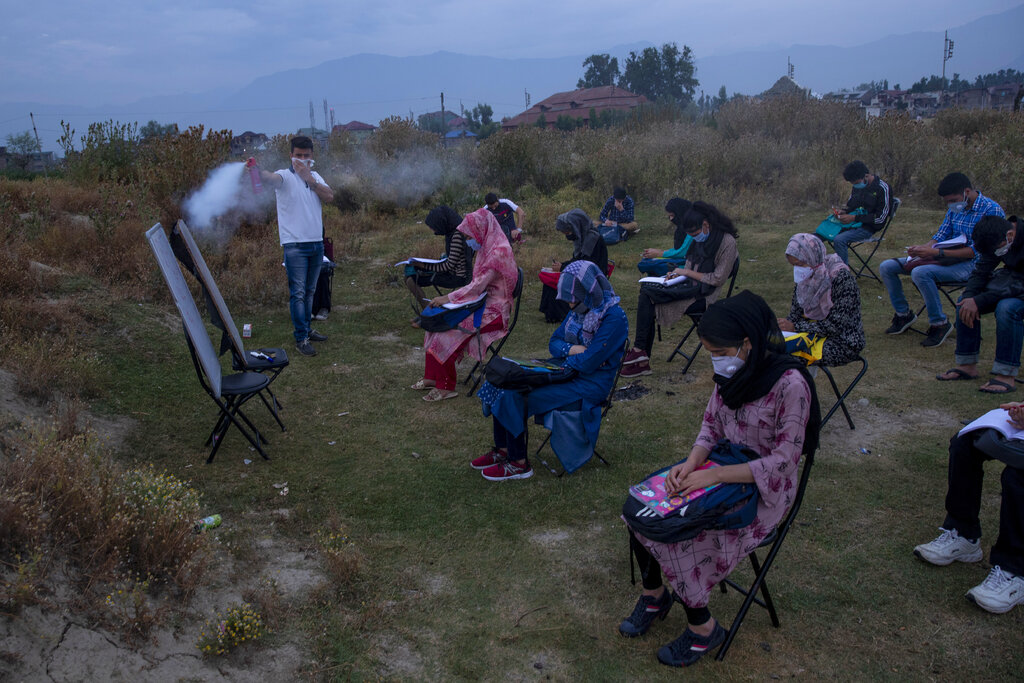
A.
pixel 300 191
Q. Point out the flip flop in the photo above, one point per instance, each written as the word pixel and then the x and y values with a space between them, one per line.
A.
pixel 960 375
pixel 422 385
pixel 436 394
pixel 1007 388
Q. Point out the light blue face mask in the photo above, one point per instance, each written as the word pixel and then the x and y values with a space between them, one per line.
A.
pixel 700 236
pixel 473 244
pixel 958 207
pixel 860 186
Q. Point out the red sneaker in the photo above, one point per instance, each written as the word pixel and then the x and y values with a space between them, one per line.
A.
pixel 489 459
pixel 634 356
pixel 636 369
pixel 508 470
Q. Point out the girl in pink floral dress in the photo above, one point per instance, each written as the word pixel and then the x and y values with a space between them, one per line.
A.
pixel 765 400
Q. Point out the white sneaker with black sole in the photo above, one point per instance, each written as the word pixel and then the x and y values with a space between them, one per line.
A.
pixel 949 547
pixel 999 592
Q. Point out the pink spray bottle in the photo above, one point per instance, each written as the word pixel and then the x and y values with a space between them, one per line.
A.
pixel 254 175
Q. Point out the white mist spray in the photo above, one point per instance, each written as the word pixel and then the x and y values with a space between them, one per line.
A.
pixel 222 192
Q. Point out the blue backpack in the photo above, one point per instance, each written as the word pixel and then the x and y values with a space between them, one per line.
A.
pixel 658 267
pixel 727 506
pixel 612 234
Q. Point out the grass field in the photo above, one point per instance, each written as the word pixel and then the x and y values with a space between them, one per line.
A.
pixel 464 579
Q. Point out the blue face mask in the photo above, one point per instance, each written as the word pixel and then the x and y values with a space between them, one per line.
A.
pixel 700 236
pixel 958 207
pixel 473 244
pixel 860 185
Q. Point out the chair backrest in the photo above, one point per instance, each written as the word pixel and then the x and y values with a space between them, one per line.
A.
pixel 888 221
pixel 607 403
pixel 206 278
pixel 517 293
pixel 732 276
pixel 195 331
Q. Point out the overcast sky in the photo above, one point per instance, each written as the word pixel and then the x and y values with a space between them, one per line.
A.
pixel 119 51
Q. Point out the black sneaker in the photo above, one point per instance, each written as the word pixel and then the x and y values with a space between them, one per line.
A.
pixel 646 611
pixel 305 348
pixel 900 323
pixel 316 336
pixel 937 334
pixel 689 647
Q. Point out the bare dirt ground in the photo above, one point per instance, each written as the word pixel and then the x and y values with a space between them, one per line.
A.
pixel 49 642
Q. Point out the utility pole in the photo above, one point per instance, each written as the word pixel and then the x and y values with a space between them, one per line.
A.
pixel 326 118
pixel 312 119
pixel 40 145
pixel 947 54
pixel 527 96
pixel 790 69
pixel 444 129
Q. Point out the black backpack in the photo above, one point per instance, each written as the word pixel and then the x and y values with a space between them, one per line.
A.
pixel 728 506
pixel 505 373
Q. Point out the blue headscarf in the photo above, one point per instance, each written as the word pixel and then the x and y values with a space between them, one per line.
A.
pixel 583 282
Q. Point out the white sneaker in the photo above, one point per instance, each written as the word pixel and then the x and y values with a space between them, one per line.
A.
pixel 949 546
pixel 999 592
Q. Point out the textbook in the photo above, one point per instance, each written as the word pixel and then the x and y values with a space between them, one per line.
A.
pixel 412 260
pixel 466 304
pixel 998 420
pixel 951 243
pixel 651 492
pixel 665 280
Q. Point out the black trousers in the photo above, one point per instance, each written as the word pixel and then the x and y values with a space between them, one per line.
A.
pixel 963 502
pixel 645 313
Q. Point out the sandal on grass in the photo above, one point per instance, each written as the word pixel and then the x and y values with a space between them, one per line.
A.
pixel 436 394
pixel 958 375
pixel 422 385
pixel 989 387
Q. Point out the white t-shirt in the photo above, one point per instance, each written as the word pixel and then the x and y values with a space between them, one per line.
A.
pixel 299 215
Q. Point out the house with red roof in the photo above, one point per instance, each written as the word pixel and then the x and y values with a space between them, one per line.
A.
pixel 577 104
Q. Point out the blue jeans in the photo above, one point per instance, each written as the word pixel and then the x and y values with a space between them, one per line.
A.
pixel 925 278
pixel 302 261
pixel 1009 338
pixel 841 242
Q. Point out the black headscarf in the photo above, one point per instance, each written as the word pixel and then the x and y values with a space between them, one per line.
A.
pixel 746 315
pixel 587 236
pixel 677 206
pixel 443 220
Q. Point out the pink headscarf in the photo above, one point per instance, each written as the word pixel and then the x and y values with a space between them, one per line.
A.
pixel 494 271
pixel 815 293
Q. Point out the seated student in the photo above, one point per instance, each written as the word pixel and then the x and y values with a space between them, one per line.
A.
pixel 763 399
pixel 676 208
pixel 961 531
pixel 826 300
pixel 453 271
pixel 590 339
pixel 506 212
pixel 967 206
pixel 708 264
pixel 494 272
pixel 618 212
pixel 587 245
pixel 990 290
pixel 871 195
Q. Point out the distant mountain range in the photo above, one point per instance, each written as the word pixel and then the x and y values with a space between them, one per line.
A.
pixel 369 87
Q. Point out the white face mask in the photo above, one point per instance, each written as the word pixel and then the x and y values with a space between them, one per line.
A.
pixel 307 162
pixel 727 366
pixel 801 273
pixel 1001 251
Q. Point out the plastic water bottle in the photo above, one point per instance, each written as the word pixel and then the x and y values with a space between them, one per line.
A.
pixel 254 175
pixel 211 522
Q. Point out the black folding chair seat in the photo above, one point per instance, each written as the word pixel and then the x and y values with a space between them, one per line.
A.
pixel 271 368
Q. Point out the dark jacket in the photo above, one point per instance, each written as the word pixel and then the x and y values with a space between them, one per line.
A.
pixel 876 200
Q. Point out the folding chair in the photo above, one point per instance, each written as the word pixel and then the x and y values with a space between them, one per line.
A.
pixel 948 290
pixel 875 241
pixel 271 361
pixel 495 348
pixel 606 405
pixel 773 542
pixel 841 397
pixel 230 392
pixel 695 320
